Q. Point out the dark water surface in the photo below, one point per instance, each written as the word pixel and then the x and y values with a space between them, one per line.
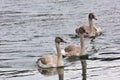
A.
pixel 28 29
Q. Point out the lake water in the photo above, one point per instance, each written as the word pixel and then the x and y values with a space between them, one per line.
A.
pixel 28 29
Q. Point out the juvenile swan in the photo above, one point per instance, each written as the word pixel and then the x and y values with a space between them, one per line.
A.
pixel 92 30
pixel 48 61
pixel 76 50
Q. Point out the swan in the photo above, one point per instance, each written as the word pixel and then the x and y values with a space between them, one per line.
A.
pixel 48 61
pixel 73 50
pixel 92 30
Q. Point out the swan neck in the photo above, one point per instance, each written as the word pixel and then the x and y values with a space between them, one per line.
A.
pixel 82 44
pixel 60 58
pixel 90 25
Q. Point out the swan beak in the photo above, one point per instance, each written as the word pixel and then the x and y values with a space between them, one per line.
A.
pixel 86 32
pixel 95 18
pixel 64 41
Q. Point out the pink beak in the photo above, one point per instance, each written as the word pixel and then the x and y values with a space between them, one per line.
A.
pixel 95 18
pixel 86 32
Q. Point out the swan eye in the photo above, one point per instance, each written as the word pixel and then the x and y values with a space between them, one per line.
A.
pixel 91 16
pixel 82 30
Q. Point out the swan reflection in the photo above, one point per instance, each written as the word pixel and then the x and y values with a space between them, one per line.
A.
pixel 84 67
pixel 53 71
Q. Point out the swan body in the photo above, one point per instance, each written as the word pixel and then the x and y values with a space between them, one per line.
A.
pixel 72 50
pixel 48 61
pixel 96 31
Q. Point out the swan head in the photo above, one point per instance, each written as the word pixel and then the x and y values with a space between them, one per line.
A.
pixel 81 30
pixel 92 16
pixel 77 30
pixel 59 40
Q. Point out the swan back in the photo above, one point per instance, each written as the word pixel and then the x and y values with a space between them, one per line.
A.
pixel 47 61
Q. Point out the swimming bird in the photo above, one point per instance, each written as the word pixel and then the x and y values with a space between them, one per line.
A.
pixel 73 50
pixel 47 61
pixel 92 30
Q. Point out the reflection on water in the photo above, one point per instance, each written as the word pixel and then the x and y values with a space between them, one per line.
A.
pixel 60 71
pixel 84 67
pixel 83 60
pixel 53 71
pixel 49 71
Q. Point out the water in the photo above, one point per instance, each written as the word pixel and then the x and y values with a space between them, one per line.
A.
pixel 28 29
